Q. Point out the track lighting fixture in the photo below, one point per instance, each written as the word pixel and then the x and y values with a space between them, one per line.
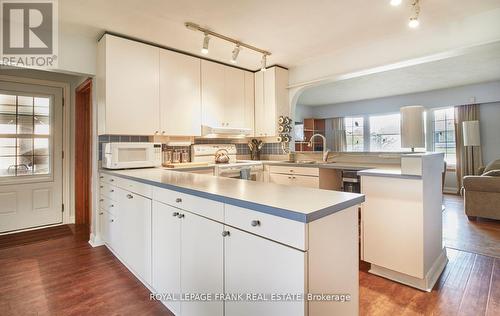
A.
pixel 206 40
pixel 414 23
pixel 263 63
pixel 395 2
pixel 236 51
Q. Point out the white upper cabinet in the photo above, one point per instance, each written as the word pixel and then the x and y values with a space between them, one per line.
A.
pixel 180 94
pixel 271 100
pixel 227 96
pixel 212 93
pixel 127 87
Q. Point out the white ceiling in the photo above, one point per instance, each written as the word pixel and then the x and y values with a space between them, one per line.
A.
pixel 479 64
pixel 296 32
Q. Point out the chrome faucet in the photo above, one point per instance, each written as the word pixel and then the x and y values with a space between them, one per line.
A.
pixel 326 151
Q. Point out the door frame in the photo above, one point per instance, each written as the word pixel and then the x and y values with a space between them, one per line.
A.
pixel 66 142
pixel 84 89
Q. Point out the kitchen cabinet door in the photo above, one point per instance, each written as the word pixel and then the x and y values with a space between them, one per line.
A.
pixel 294 180
pixel 180 95
pixel 104 224
pixel 234 97
pixel 135 225
pixel 201 263
pixel 256 265
pixel 259 104
pixel 128 87
pixel 166 252
pixel 249 102
pixel 212 93
pixel 270 120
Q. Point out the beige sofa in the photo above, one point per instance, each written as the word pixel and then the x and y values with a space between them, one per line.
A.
pixel 482 193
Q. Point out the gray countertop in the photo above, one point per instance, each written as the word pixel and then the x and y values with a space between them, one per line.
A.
pixel 295 203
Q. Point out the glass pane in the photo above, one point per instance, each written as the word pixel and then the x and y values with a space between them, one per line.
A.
pixel 42 125
pixel 24 124
pixel 7 146
pixel 41 146
pixel 7 109
pixel 25 146
pixel 7 99
pixel 24 165
pixel 42 106
pixel 385 124
pixel 42 165
pixel 7 166
pixel 25 105
pixel 7 124
pixel 358 130
pixel 439 115
pixel 439 126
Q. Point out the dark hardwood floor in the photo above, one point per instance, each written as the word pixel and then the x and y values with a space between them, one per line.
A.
pixel 66 276
pixel 61 274
pixel 481 236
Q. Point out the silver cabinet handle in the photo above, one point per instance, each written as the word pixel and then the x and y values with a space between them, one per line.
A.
pixel 111 180
pixel 100 213
pixel 225 233
pixel 112 205
pixel 101 186
pixel 112 220
pixel 255 223
pixel 111 191
pixel 130 196
pixel 101 177
pixel 163 132
pixel 101 200
pixel 180 215
pixel 178 200
pixel 175 214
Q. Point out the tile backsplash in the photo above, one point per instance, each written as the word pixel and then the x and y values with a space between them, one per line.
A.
pixel 120 139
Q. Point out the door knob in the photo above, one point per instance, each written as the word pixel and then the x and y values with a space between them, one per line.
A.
pixel 130 196
pixel 180 215
pixel 178 200
pixel 175 214
pixel 225 233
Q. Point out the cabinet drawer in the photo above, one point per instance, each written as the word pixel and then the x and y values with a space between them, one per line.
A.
pixel 276 228
pixel 103 177
pixel 108 190
pixel 305 171
pixel 295 180
pixel 108 205
pixel 135 187
pixel 204 207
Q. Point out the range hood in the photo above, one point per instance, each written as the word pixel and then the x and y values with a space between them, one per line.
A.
pixel 233 132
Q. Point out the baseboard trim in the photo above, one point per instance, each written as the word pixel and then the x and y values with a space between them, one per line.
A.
pixel 95 241
pixel 425 284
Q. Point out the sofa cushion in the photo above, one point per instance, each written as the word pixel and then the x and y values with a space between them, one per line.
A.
pixel 482 183
pixel 492 173
pixel 494 165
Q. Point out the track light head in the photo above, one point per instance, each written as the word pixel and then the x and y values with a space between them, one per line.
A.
pixel 263 63
pixel 413 23
pixel 206 40
pixel 236 51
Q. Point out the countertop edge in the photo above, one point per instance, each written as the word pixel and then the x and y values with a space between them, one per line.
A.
pixel 283 213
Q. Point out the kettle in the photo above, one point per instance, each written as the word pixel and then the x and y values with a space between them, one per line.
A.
pixel 221 156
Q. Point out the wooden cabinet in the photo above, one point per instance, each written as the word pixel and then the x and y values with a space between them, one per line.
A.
pixel 227 96
pixel 127 87
pixel 255 265
pixel 202 262
pixel 166 252
pixel 180 95
pixel 271 100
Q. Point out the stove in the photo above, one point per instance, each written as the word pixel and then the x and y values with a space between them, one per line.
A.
pixel 240 169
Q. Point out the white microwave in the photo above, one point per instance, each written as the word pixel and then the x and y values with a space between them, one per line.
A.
pixel 131 155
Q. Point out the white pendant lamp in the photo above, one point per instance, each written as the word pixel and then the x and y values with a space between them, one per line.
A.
pixel 471 133
pixel 412 127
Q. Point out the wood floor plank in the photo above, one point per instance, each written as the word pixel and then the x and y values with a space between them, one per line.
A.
pixel 493 307
pixel 475 298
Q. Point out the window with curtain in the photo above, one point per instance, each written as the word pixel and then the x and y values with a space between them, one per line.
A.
pixel 444 134
pixel 385 132
pixel 354 133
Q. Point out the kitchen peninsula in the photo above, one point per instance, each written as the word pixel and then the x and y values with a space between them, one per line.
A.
pixel 192 233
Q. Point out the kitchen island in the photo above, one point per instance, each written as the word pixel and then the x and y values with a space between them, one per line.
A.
pixel 185 234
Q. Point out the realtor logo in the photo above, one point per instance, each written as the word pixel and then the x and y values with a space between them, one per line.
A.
pixel 29 33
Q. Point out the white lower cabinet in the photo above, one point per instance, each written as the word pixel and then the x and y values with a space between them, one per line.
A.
pixel 166 263
pixel 256 265
pixel 202 261
pixel 134 223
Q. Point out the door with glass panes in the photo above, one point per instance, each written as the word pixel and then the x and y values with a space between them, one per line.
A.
pixel 31 133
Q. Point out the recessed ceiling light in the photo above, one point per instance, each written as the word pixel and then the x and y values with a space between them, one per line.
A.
pixel 206 40
pixel 396 2
pixel 413 23
pixel 236 51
